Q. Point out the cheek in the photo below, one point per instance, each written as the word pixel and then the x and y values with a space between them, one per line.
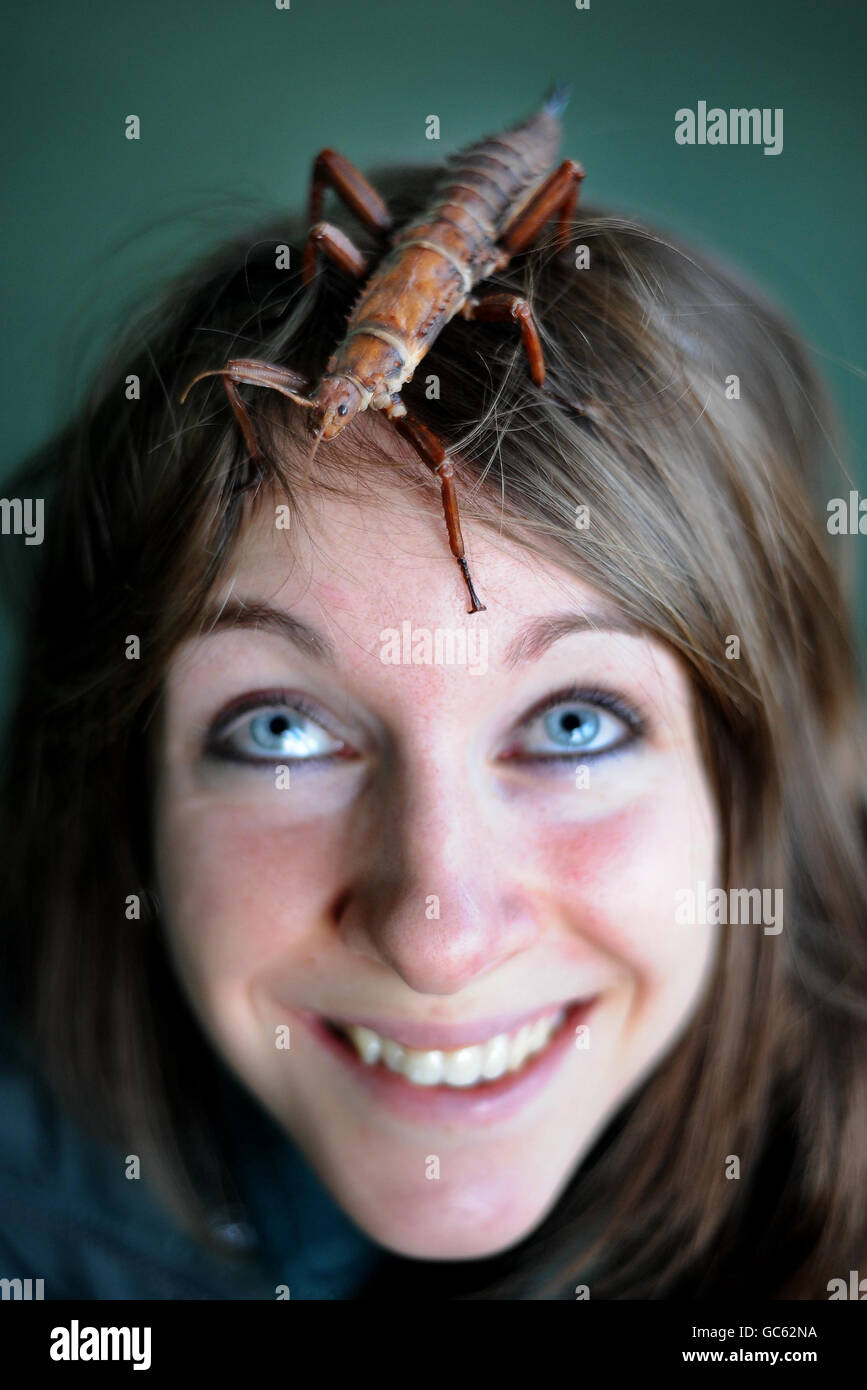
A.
pixel 239 894
pixel 618 878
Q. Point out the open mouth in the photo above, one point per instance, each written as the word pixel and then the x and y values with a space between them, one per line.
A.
pixel 478 1065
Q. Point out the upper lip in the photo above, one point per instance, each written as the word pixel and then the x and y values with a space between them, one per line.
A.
pixel 447 1036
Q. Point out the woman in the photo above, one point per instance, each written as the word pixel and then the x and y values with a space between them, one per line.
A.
pixel 375 946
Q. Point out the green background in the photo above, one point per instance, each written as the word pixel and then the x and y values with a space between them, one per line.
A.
pixel 236 96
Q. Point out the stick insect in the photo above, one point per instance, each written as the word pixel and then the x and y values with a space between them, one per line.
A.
pixel 489 206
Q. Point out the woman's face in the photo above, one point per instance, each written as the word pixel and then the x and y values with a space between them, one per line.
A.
pixel 351 830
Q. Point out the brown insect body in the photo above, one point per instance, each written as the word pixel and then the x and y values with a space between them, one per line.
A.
pixel 489 205
pixel 436 261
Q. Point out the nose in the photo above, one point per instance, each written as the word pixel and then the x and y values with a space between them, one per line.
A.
pixel 435 891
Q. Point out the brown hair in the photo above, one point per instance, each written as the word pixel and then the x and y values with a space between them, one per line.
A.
pixel 704 524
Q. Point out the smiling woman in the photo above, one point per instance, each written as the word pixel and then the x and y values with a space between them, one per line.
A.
pixel 410 955
pixel 554 905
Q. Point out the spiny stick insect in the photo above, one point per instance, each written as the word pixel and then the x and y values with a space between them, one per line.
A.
pixel 488 207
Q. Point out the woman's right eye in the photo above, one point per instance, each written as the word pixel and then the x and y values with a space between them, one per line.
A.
pixel 269 732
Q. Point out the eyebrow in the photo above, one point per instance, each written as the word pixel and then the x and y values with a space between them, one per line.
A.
pixel 241 613
pixel 540 634
pixel 529 644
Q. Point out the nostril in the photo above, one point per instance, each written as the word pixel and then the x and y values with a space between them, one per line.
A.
pixel 340 905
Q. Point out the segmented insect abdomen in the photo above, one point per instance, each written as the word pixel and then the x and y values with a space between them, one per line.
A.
pixel 503 171
pixel 484 186
pixel 439 256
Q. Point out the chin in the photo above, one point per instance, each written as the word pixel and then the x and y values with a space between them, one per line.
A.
pixel 472 1211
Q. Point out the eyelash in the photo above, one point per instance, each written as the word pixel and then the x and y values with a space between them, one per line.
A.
pixel 594 696
pixel 597 698
pixel 261 700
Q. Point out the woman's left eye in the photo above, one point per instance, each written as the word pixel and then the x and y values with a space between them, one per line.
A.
pixel 574 726
pixel 275 730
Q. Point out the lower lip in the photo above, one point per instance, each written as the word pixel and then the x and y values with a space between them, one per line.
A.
pixel 486 1103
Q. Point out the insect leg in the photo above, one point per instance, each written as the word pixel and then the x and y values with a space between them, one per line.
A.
pixel 243 418
pixel 432 452
pixel 331 169
pixel 511 308
pixel 334 244
pixel 559 193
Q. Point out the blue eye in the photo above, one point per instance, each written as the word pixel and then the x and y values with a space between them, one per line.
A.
pixel 586 724
pixel 573 726
pixel 277 732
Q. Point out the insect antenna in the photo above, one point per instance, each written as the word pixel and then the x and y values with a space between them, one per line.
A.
pixel 250 379
pixel 312 454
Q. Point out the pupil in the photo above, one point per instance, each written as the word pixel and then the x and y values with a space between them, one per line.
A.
pixel 341 410
pixel 278 724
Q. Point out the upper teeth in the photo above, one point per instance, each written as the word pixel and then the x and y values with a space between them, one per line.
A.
pixel 465 1066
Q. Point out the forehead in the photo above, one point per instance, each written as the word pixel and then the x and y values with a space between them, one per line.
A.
pixel 383 554
pixel 353 567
